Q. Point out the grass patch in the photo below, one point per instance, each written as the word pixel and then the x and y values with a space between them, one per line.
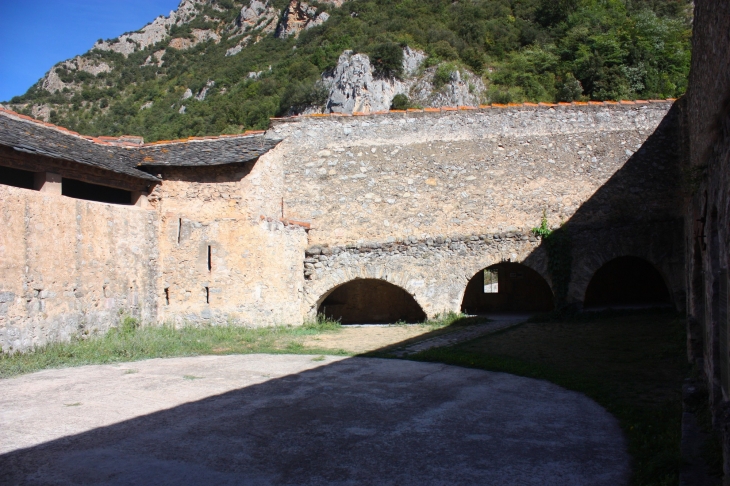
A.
pixel 631 364
pixel 131 342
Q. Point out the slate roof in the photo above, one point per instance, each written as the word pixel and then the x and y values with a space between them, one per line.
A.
pixel 37 138
pixel 122 155
pixel 206 152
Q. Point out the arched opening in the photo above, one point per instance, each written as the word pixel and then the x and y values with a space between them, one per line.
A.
pixel 627 281
pixel 507 287
pixel 371 301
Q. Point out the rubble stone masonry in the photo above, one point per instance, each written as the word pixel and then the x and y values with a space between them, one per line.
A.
pixel 70 267
pixel 423 200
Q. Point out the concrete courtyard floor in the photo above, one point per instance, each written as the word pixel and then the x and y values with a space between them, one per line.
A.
pixel 293 419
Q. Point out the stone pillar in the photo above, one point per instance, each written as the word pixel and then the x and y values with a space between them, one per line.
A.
pixel 139 199
pixel 48 182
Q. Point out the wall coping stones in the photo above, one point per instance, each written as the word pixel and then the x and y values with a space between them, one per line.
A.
pixel 480 108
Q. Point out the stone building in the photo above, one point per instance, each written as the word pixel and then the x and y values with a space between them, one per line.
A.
pixel 390 216
pixel 378 218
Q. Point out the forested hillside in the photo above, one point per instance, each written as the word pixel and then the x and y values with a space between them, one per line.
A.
pixel 222 66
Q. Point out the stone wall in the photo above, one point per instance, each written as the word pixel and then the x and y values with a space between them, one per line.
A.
pixel 225 260
pixel 435 271
pixel 422 200
pixel 706 120
pixel 376 183
pixel 70 267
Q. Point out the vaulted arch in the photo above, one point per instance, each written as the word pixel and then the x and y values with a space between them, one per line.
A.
pixel 371 301
pixel 627 281
pixel 507 287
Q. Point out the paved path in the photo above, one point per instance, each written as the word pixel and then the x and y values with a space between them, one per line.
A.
pixel 459 335
pixel 263 419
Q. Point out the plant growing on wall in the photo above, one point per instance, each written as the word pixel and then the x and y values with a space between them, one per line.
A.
pixel 560 260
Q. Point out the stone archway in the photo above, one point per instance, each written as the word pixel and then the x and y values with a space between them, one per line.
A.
pixel 627 281
pixel 371 301
pixel 507 287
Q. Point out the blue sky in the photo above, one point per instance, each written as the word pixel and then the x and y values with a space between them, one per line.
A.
pixel 36 34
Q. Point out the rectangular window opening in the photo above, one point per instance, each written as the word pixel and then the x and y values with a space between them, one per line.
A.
pixel 207 295
pixel 491 281
pixel 167 296
pixel 17 178
pixel 95 192
pixel 210 260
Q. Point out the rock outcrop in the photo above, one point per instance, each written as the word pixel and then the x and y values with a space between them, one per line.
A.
pixel 204 92
pixel 463 89
pixel 354 88
pixel 299 16
pixel 52 82
pixel 257 15
pixel 152 33
pixel 182 43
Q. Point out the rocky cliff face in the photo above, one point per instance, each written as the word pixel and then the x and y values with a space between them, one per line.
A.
pixel 154 32
pixel 257 15
pixel 353 87
pixel 299 16
pixel 52 82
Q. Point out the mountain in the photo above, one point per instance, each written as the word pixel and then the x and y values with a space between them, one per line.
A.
pixel 224 66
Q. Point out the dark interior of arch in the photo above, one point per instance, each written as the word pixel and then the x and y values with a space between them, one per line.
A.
pixel 627 281
pixel 371 301
pixel 520 289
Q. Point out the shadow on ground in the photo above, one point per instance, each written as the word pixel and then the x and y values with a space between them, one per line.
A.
pixel 341 421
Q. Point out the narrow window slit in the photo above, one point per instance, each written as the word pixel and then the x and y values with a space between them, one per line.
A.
pixel 210 259
pixel 207 295
pixel 167 296
pixel 179 230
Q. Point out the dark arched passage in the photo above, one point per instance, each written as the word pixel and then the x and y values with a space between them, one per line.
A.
pixel 371 301
pixel 627 281
pixel 507 287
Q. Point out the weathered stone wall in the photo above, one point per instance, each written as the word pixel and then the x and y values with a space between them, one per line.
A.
pixel 70 267
pixel 370 184
pixel 467 172
pixel 706 121
pixel 421 200
pixel 221 261
pixel 435 271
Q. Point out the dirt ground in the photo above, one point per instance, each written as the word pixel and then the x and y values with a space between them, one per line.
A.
pixel 282 419
pixel 356 339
